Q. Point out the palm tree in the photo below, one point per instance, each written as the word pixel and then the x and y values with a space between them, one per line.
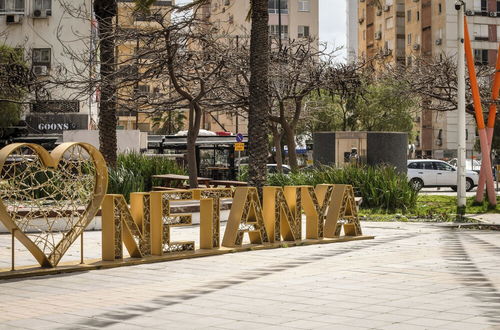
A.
pixel 105 11
pixel 259 94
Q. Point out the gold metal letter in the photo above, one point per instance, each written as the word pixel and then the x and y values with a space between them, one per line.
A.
pixel 162 220
pixel 245 216
pixel 210 202
pixel 130 226
pixel 282 213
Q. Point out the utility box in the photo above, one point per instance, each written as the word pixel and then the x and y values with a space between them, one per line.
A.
pixel 370 148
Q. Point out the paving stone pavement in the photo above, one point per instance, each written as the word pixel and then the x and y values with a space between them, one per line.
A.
pixel 412 276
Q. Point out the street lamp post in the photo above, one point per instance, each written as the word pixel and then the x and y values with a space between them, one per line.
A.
pixel 461 197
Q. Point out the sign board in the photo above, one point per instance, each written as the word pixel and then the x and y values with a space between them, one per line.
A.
pixel 39 123
pixel 239 146
pixel 239 137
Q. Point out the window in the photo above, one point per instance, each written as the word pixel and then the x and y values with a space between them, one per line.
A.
pixel 418 15
pixel 408 15
pixel 389 2
pixel 42 4
pixel 481 56
pixel 440 8
pixel 303 31
pixel 415 165
pixel 143 89
pixel 11 6
pixel 389 23
pixel 41 56
pixel 498 6
pixel 274 31
pixel 304 5
pixel 440 166
pixel 275 5
pixel 481 32
pixel 409 39
pixel 427 166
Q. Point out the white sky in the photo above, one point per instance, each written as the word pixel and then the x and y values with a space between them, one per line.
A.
pixel 332 22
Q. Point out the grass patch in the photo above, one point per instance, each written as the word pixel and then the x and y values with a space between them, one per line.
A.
pixel 429 208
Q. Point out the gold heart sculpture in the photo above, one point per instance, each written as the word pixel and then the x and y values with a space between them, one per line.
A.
pixel 48 200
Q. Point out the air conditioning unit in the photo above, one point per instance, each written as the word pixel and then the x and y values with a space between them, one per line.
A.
pixel 379 12
pixel 493 14
pixel 416 47
pixel 387 52
pixel 386 8
pixel 42 13
pixel 439 41
pixel 378 35
pixel 469 13
pixel 40 70
pixel 13 19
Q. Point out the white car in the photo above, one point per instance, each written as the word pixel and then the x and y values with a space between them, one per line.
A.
pixel 437 173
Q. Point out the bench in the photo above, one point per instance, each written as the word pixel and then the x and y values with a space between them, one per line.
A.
pixel 227 183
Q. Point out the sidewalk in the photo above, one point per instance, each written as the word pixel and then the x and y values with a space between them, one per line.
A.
pixel 412 276
pixel 488 218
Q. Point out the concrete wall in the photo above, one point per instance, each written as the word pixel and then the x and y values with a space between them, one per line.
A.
pixel 324 148
pixel 129 140
pixel 388 148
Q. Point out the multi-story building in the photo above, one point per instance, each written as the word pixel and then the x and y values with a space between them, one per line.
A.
pixel 128 50
pixel 381 30
pixel 429 28
pixel 352 30
pixel 51 35
pixel 295 19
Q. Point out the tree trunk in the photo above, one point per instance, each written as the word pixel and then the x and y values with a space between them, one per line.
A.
pixel 105 10
pixel 259 94
pixel 277 146
pixel 194 128
pixel 292 146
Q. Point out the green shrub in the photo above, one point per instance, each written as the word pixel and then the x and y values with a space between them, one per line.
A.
pixel 133 173
pixel 380 187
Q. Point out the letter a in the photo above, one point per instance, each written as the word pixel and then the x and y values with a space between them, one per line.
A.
pixel 245 217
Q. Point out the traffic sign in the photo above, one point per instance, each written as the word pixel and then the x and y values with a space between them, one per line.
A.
pixel 239 137
pixel 239 146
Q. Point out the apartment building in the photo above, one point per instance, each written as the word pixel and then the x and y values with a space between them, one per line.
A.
pixel 298 18
pixel 129 19
pixel 381 30
pixel 50 34
pixel 429 28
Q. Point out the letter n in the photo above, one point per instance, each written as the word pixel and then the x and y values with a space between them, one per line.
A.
pixel 130 226
pixel 282 213
pixel 245 217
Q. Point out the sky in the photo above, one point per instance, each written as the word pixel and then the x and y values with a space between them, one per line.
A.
pixel 332 22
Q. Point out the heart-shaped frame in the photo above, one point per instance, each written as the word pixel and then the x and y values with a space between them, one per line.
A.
pixel 72 172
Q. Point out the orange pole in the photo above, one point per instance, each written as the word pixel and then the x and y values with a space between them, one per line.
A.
pixel 490 127
pixel 483 137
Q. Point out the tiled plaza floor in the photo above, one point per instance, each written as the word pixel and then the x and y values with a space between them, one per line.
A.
pixel 412 276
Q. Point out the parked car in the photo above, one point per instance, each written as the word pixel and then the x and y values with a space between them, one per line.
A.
pixel 437 173
pixel 273 168
pixel 470 164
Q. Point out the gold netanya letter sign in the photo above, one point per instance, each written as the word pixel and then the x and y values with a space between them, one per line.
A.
pixel 245 217
pixel 132 227
pixel 210 203
pixel 283 213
